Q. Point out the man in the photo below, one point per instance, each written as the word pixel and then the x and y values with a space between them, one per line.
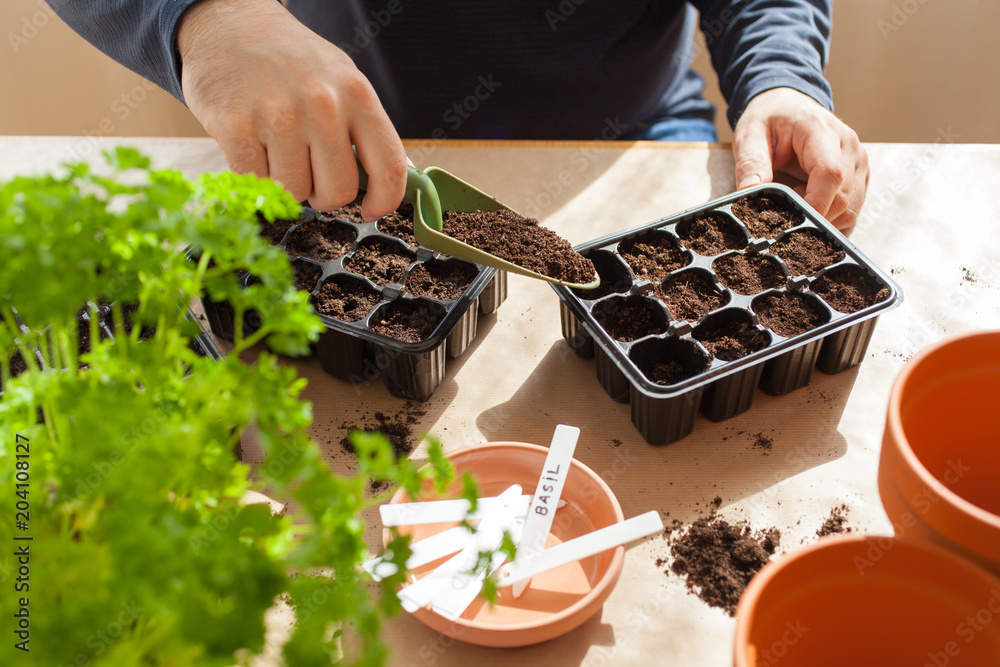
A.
pixel 288 101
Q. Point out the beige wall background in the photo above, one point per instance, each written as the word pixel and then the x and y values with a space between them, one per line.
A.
pixel 901 70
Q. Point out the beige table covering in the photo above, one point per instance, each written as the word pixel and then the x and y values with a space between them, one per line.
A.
pixel 931 219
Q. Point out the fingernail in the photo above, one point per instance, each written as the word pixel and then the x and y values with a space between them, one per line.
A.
pixel 749 180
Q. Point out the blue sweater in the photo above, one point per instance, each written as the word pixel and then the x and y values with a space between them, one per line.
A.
pixel 520 69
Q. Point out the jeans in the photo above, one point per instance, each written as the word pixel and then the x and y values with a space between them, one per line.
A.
pixel 674 129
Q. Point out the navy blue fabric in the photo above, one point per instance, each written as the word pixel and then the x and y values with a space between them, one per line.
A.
pixel 521 69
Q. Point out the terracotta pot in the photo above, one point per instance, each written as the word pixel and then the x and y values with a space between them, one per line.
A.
pixel 940 461
pixel 864 600
pixel 558 600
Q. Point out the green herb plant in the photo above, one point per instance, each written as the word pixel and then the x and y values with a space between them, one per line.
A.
pixel 141 551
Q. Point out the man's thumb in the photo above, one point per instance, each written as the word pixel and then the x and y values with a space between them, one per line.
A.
pixel 752 155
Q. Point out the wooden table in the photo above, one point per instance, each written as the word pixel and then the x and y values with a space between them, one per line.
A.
pixel 930 220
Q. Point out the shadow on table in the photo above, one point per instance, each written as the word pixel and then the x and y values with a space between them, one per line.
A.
pixel 777 438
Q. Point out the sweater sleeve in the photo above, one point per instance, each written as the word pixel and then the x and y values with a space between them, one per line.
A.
pixel 757 45
pixel 139 34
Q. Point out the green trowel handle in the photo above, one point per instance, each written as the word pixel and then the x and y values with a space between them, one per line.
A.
pixel 416 181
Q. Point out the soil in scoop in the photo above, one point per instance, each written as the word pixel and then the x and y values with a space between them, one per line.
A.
pixel 381 261
pixel 321 240
pixel 748 274
pixel 805 253
pixel 407 320
pixel 850 292
pixel 631 320
pixel 711 234
pixel 731 340
pixel 789 314
pixel 521 241
pixel 689 295
pixel 652 256
pixel 344 301
pixel 718 559
pixel 400 224
pixel 443 280
pixel 766 215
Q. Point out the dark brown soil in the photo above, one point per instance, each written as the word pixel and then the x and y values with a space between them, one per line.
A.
pixel 849 292
pixel 766 216
pixel 689 295
pixel 380 260
pixel 344 299
pixel 763 442
pixel 521 241
pixel 789 314
pixel 652 256
pixel 397 427
pixel 731 339
pixel 805 253
pixel 718 559
pixel 711 234
pixel 306 275
pixel 407 320
pixel 835 523
pixel 147 331
pixel 274 231
pixel 399 224
pixel 748 274
pixel 441 279
pixel 351 212
pixel 630 319
pixel 322 240
pixel 669 361
pixel 614 277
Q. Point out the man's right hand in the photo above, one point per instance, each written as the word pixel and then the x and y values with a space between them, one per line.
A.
pixel 283 102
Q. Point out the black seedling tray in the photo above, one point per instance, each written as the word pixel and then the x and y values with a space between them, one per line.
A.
pixel 354 351
pixel 720 389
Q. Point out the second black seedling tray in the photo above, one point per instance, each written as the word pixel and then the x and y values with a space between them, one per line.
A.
pixel 354 351
pixel 669 345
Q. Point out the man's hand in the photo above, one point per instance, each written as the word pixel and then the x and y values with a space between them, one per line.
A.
pixel 782 129
pixel 283 102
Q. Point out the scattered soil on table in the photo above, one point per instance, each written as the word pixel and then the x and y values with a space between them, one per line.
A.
pixel 398 427
pixel 306 275
pixel 274 231
pixel 350 212
pixel 805 253
pixel 521 241
pixel 850 291
pixel 969 276
pixel 616 442
pixel 380 260
pixel 748 274
pixel 407 320
pixel 789 314
pixel 689 295
pixel 766 215
pixel 323 240
pixel 631 318
pixel 653 255
pixel 344 299
pixel 614 277
pixel 441 279
pixel 731 339
pixel 399 224
pixel 835 523
pixel 718 559
pixel 711 234
pixel 762 442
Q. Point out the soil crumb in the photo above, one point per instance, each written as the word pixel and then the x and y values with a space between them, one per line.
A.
pixel 762 442
pixel 718 558
pixel 835 523
pixel 398 427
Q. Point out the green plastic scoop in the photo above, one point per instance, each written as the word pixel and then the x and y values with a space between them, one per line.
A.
pixel 433 190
